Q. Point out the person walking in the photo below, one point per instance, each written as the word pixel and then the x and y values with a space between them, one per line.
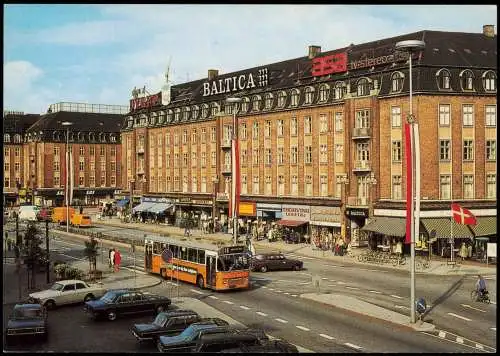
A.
pixel 112 258
pixel 118 260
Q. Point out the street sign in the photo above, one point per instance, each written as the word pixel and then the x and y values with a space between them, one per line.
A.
pixel 167 255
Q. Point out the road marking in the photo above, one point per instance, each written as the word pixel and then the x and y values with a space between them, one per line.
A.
pixel 353 346
pixel 271 288
pixel 442 334
pixel 375 291
pixel 294 295
pixel 331 285
pixel 134 270
pixel 286 293
pixel 468 306
pixel 460 340
pixel 261 313
pixel 281 320
pixel 213 297
pixel 302 327
pixel 327 336
pixel 324 278
pixel 196 291
pixel 494 329
pixel 460 317
pixel 228 302
pixel 352 287
pixel 493 303
pixel 396 296
pixel 479 346
pixel 401 307
pixel 244 307
pixel 264 287
pixel 75 258
pixel 340 282
pixel 278 291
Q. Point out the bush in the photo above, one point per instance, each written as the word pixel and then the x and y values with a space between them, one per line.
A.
pixel 74 273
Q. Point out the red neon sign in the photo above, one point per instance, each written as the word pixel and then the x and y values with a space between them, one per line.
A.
pixel 145 102
pixel 335 63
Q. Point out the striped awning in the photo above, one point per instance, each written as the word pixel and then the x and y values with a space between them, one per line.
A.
pixel 389 226
pixel 159 207
pixel 142 207
pixel 443 228
pixel 486 225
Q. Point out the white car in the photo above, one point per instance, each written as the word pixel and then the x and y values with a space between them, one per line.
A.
pixel 67 292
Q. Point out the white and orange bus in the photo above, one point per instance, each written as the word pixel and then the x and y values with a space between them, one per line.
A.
pixel 206 265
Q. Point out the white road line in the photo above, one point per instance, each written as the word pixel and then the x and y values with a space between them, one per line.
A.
pixel 324 278
pixel 396 296
pixel 213 297
pixel 401 307
pixel 244 307
pixel 340 282
pixel 286 293
pixel 375 291
pixel 281 320
pixel 479 346
pixel 493 303
pixel 264 287
pixel 196 291
pixel 460 340
pixel 442 334
pixel 279 291
pixel 460 317
pixel 228 302
pixel 306 258
pixel 271 288
pixel 331 285
pixel 353 346
pixel 494 329
pixel 261 313
pixel 352 287
pixel 470 307
pixel 294 295
pixel 302 327
pixel 327 336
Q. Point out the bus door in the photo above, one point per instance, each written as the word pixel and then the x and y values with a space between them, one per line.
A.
pixel 148 257
pixel 210 263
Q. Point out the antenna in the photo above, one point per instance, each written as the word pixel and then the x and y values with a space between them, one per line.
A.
pixel 167 74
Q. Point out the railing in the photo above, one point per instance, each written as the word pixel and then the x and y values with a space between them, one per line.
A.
pixel 361 132
pixel 226 143
pixel 362 165
pixel 357 201
pixel 140 150
pixel 226 169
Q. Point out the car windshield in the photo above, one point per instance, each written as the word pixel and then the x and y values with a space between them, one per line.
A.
pixel 27 313
pixel 160 319
pixel 57 286
pixel 233 262
pixel 109 297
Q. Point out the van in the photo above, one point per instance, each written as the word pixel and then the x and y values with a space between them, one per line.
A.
pixel 59 214
pixel 80 220
pixel 28 212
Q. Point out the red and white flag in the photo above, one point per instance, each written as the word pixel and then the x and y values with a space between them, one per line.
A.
pixel 462 215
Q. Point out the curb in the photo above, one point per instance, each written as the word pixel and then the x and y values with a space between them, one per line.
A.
pixel 460 340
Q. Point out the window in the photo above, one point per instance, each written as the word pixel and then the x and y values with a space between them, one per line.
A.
pixel 185 113
pixel 203 135
pixel 323 123
pixel 396 151
pixel 323 93
pixel 194 136
pixel 280 127
pixel 339 91
pixel 244 105
pixel 491 185
pixel 444 150
pixel 294 185
pixel 195 112
pixel 396 187
pixel 213 134
pixel 467 80
pixel 281 99
pixel 177 114
pixel 339 153
pixel 204 111
pixel 307 125
pixel 185 184
pixel 362 152
pixel 397 81
pixel 443 79
pixel 293 154
pixel 214 109
pixel 177 161
pixel 293 126
pixel 167 139
pixel 396 116
pixel 92 166
pixel 255 130
pixel 81 165
pixel 243 131
pixel 267 129
pixel 268 101
pixel 294 97
pixel 491 150
pixel 101 151
pixel 255 156
pixel 82 150
pixel 490 81
pixel 309 187
pixel 103 180
pixel 281 155
pixel 213 158
pixel 491 115
pixel 113 166
pixel 81 181
pixel 256 101
pixel 323 181
pixel 362 119
pixel 244 185
pixel 468 115
pixel 244 157
pixel 194 184
pixel 308 98
pixel 323 153
pixel 468 150
pixel 203 160
pixel 6 152
pixel 468 186
pixel 339 121
pixel 17 167
pixel 6 167
pixel 184 137
pixel 194 158
pixel 91 150
pixel 444 115
pixel 255 185
pixel 91 181
pixel 268 156
pixel 6 138
pixel 445 186
pixel 363 87
pixel 185 160
pixel 269 188
pixel 308 154
pixel 17 152
pixel 281 185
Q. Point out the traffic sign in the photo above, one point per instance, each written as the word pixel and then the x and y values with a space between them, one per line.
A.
pixel 167 255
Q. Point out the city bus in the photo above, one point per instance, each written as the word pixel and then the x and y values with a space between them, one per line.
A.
pixel 206 265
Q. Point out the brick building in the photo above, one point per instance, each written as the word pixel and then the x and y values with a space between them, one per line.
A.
pixel 321 139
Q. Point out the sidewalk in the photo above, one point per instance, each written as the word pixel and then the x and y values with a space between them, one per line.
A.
pixel 438 265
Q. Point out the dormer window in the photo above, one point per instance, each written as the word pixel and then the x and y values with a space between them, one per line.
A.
pixel 281 99
pixel 323 93
pixel 204 111
pixel 228 109
pixel 443 78
pixel 490 81
pixel 6 138
pixel 268 104
pixel 308 97
pixel 177 115
pixel 161 117
pixel 256 103
pixel 80 136
pixel 92 137
pixel 185 113
pixel 112 138
pixel 294 97
pixel 363 87
pixel 17 138
pixel 170 115
pixel 397 82
pixel 467 80
pixel 244 105
pixel 195 112
pixel 339 91
pixel 215 109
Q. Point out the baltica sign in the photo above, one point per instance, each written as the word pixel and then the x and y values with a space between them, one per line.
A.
pixel 236 83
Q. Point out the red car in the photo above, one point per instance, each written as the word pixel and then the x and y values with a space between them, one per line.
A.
pixel 44 214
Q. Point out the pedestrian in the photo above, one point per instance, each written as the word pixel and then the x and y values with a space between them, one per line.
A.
pixel 81 209
pixel 118 260
pixel 112 253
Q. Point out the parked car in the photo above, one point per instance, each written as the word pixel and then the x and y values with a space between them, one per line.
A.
pixel 187 341
pixel 45 214
pixel 26 321
pixel 271 346
pixel 171 323
pixel 125 302
pixel 227 340
pixel 67 292
pixel 264 262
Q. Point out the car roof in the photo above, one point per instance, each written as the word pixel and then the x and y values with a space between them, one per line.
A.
pixel 203 326
pixel 235 334
pixel 70 281
pixel 177 312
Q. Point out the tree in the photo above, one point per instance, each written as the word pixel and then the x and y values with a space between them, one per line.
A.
pixel 32 249
pixel 91 251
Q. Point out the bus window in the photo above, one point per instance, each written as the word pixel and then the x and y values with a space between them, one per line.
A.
pixel 192 255
pixel 163 246
pixel 184 253
pixel 156 248
pixel 220 265
pixel 175 250
pixel 201 256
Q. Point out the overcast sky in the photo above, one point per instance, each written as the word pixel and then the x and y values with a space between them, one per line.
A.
pixel 98 53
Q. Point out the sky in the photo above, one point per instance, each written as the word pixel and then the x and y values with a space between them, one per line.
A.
pixel 98 53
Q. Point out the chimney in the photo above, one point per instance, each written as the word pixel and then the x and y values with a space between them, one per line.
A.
pixel 212 73
pixel 314 51
pixel 489 30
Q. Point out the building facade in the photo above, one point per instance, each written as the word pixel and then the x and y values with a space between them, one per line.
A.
pixel 321 138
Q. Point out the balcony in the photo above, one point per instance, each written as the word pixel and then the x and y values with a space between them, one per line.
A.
pixel 140 170
pixel 140 150
pixel 226 169
pixel 226 143
pixel 361 133
pixel 357 202
pixel 362 166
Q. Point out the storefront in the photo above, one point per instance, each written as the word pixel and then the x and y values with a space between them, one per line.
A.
pixel 386 233
pixel 357 219
pixel 326 226
pixel 295 220
pixel 448 235
pixel 268 212
pixel 247 213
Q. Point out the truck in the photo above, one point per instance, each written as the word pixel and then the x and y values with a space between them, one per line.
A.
pixel 59 214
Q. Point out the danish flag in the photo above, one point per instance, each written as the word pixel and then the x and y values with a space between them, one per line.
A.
pixel 462 215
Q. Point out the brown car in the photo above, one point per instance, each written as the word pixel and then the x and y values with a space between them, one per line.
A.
pixel 264 262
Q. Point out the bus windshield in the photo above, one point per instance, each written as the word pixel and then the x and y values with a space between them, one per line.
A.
pixel 233 262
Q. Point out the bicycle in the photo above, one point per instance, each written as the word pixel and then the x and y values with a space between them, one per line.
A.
pixel 484 298
pixel 423 264
pixel 399 261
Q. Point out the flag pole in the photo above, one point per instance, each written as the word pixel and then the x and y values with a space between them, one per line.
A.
pixel 452 241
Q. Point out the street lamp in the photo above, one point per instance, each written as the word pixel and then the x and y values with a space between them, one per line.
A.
pixel 411 46
pixel 344 180
pixel 67 124
pixel 371 181
pixel 235 172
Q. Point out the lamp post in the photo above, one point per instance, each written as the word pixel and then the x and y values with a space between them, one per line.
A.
pixel 215 181
pixel 371 181
pixel 344 180
pixel 411 46
pixel 67 124
pixel 235 169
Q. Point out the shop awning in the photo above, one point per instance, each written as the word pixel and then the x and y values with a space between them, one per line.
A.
pixel 486 225
pixel 121 203
pixel 142 207
pixel 443 228
pixel 159 207
pixel 387 226
pixel 291 223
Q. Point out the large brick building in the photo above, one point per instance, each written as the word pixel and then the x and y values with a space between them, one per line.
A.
pixel 321 138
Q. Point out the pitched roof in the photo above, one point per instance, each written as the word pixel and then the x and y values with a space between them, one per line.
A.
pixel 82 121
pixel 17 123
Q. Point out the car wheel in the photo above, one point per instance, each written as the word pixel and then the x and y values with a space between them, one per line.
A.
pixel 263 269
pixel 111 315
pixel 200 282
pixel 297 267
pixel 50 305
pixel 88 297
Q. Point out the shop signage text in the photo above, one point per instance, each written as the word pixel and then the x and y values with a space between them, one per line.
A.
pixel 90 192
pixel 235 83
pixel 357 213
pixel 223 196
pixel 296 212
pixel 156 200
pixel 145 102
pixel 247 209
pixel 325 213
pixel 202 202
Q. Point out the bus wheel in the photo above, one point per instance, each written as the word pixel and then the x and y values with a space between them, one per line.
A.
pixel 200 282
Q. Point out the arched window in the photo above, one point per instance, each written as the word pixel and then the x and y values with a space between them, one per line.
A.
pixel 204 111
pixel 339 91
pixel 443 79
pixel 281 99
pixel 490 81
pixel 6 138
pixel 55 136
pixel 215 109
pixel 185 113
pixel 17 138
pixel 363 87
pixel 467 80
pixel 195 112
pixel 268 104
pixel 294 97
pixel 256 100
pixel 92 137
pixel 244 105
pixel 161 117
pixel 177 115
pixel 81 136
pixel 324 91
pixel 152 118
pixel 397 79
pixel 170 115
pixel 308 96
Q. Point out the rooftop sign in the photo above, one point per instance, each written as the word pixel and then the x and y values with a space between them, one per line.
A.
pixel 236 83
pixel 145 102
